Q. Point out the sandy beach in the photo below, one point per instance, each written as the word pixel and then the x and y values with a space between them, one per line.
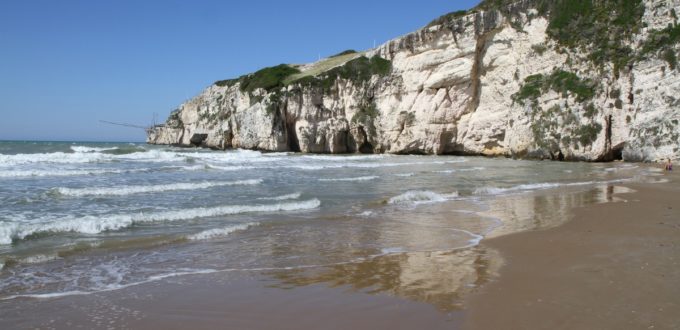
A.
pixel 612 264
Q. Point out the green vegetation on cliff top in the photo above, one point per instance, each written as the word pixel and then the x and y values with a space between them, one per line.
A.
pixel 268 78
pixel 358 71
pixel 351 66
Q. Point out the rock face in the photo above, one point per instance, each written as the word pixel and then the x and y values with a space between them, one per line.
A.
pixel 493 82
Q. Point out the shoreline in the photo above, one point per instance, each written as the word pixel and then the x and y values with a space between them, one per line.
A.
pixel 611 266
pixel 541 275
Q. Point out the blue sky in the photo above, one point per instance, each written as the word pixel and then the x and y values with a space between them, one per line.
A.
pixel 65 65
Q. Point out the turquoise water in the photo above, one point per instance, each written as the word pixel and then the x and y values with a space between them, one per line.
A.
pixel 80 217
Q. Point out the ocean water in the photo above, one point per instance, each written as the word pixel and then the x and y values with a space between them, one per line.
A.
pixel 78 218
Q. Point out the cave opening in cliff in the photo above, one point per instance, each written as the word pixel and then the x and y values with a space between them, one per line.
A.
pixel 293 142
pixel 366 148
pixel 198 139
pixel 617 153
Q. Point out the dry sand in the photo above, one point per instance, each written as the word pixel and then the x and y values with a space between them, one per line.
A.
pixel 614 266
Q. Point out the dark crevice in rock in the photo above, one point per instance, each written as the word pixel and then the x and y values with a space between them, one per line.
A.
pixel 608 133
pixel 611 153
pixel 365 147
pixel 198 139
pixel 293 142
pixel 227 140
pixel 478 68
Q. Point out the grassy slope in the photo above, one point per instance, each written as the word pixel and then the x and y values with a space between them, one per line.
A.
pixel 322 66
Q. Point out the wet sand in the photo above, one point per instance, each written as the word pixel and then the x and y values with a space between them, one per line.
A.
pixel 614 266
pixel 225 301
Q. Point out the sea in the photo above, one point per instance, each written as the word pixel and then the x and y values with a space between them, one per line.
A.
pixel 78 218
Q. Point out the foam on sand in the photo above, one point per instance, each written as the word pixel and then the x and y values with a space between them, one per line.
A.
pixel 538 186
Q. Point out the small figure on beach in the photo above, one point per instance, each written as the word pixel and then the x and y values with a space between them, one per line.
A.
pixel 669 165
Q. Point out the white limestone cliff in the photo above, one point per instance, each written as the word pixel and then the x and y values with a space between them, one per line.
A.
pixel 450 91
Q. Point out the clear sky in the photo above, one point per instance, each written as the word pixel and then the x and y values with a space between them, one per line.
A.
pixel 65 65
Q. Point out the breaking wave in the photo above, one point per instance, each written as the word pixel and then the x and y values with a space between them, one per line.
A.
pixel 129 190
pixel 82 155
pixel 361 178
pixel 369 165
pixel 220 232
pixel 419 197
pixel 83 149
pixel 282 197
pixel 97 224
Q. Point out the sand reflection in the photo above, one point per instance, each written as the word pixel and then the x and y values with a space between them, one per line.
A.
pixel 437 278
pixel 444 278
pixel 547 209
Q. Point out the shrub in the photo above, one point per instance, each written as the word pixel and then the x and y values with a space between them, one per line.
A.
pixel 531 89
pixel 587 134
pixel 660 39
pixel 267 78
pixel 446 18
pixel 346 52
pixel 590 111
pixel 366 114
pixel 226 82
pixel 539 48
pixel 560 81
pixel 670 57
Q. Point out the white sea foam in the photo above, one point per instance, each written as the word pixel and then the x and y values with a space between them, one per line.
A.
pixel 231 157
pixel 43 173
pixel 51 158
pixel 366 214
pixel 96 155
pixel 129 190
pixel 469 169
pixel 84 172
pixel 361 178
pixel 220 232
pixel 366 165
pixel 84 149
pixel 393 250
pixel 229 168
pixel 98 224
pixel 345 157
pixel 474 241
pixel 111 287
pixel 39 258
pixel 418 197
pixel 405 175
pixel 282 197
pixel 472 169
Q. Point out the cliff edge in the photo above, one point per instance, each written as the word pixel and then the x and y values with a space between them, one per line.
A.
pixel 564 80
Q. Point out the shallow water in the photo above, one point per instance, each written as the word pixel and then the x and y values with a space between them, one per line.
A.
pixel 78 218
